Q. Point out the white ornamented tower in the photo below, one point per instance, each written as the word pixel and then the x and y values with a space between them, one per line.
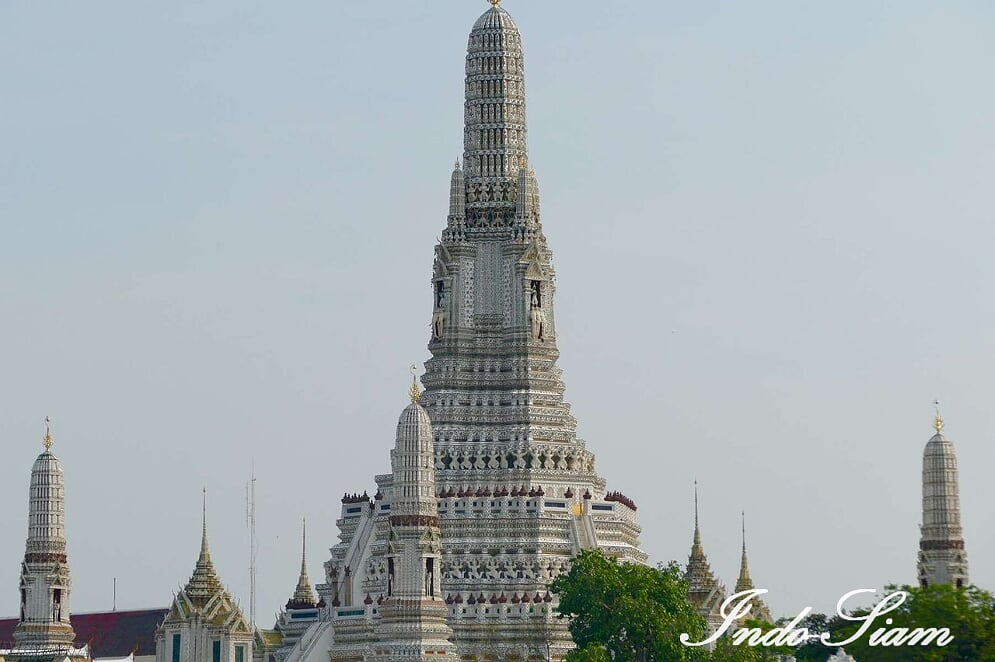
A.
pixel 45 580
pixel 412 623
pixel 517 492
pixel 942 558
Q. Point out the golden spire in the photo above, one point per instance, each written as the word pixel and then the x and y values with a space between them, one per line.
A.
pixel 937 420
pixel 743 514
pixel 48 434
pixel 696 543
pixel 204 551
pixel 415 390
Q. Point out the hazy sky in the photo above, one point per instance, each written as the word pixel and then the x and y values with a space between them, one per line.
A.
pixel 771 222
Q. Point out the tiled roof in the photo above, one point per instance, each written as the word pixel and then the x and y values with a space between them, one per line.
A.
pixel 111 633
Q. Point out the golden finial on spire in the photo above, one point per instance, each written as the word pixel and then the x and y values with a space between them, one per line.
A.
pixel 495 3
pixel 415 391
pixel 937 420
pixel 48 434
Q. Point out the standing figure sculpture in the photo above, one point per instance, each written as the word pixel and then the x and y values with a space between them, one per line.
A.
pixel 535 313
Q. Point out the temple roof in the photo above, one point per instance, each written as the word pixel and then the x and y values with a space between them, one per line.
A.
pixel 110 633
pixel 204 583
pixel 495 18
pixel 204 595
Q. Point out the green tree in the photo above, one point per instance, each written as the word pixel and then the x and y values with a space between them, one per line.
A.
pixel 726 651
pixel 631 612
pixel 592 653
pixel 969 613
pixel 814 650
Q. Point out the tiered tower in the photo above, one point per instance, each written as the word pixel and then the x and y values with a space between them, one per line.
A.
pixel 705 592
pixel 517 492
pixel 45 581
pixel 413 615
pixel 942 558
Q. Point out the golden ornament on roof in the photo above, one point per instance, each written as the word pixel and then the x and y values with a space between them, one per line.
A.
pixel 415 390
pixel 48 434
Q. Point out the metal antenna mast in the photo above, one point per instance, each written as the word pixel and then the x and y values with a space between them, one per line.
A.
pixel 250 520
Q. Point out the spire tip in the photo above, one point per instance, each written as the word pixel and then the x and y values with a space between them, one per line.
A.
pixel 48 434
pixel 415 390
pixel 937 419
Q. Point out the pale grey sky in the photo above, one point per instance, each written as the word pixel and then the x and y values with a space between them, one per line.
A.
pixel 772 225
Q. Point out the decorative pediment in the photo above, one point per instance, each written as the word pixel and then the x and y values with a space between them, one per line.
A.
pixel 532 253
pixel 533 257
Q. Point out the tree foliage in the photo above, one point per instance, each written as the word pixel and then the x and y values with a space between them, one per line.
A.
pixel 633 613
pixel 969 613
pixel 814 650
pixel 591 653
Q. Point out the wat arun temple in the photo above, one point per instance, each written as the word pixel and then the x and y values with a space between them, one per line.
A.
pixel 515 493
pixel 491 493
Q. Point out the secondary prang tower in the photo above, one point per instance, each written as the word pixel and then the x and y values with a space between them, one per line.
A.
pixel 942 557
pixel 45 580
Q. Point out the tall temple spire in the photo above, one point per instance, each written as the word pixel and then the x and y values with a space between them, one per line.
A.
pixel 204 582
pixel 45 578
pixel 303 597
pixel 942 558
pixel 503 435
pixel 696 542
pixel 204 617
pixel 759 609
pixel 745 582
pixel 205 553
pixel 697 560
pixel 705 591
